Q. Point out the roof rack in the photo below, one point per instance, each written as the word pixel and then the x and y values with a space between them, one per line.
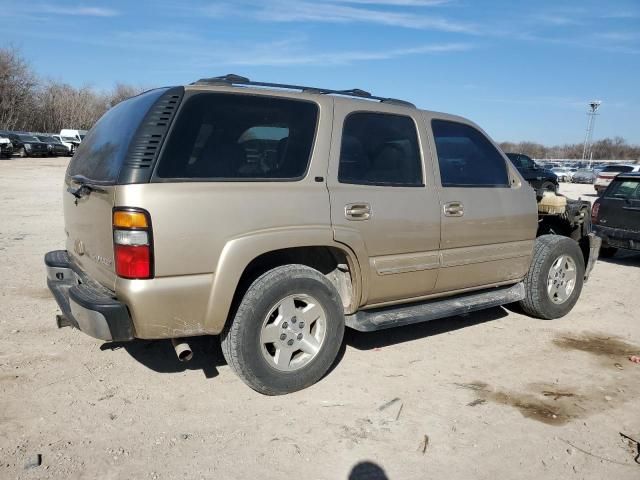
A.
pixel 232 79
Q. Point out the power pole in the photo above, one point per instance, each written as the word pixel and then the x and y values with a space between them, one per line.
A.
pixel 586 151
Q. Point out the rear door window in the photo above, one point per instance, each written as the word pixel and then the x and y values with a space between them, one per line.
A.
pixel 220 136
pixel 466 157
pixel 380 149
pixel 102 153
pixel 627 189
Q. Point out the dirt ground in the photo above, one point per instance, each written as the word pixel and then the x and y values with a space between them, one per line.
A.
pixel 490 395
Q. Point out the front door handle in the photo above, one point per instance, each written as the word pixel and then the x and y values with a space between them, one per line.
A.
pixel 453 209
pixel 357 211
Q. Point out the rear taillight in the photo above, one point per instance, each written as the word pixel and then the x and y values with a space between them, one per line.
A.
pixel 132 243
pixel 594 212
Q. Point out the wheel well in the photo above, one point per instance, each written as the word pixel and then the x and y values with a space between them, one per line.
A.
pixel 330 261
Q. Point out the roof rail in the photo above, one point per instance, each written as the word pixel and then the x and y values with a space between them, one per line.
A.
pixel 232 79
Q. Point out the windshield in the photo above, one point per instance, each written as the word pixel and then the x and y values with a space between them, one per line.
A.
pixel 68 139
pixel 28 138
pixel 101 155
pixel 47 139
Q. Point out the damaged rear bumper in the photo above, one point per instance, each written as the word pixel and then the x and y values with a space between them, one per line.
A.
pixel 85 304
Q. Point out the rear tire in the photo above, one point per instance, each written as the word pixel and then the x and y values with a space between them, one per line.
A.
pixel 22 153
pixel 555 277
pixel 267 345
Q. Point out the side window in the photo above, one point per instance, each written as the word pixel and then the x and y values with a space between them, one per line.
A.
pixel 221 136
pixel 379 149
pixel 466 157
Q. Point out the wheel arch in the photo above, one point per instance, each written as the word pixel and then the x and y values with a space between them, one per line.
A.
pixel 246 258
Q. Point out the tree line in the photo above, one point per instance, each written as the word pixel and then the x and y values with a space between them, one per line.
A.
pixel 606 149
pixel 31 103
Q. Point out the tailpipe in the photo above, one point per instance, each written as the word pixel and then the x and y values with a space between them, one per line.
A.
pixel 182 348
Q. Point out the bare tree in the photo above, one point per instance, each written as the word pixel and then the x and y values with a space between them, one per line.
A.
pixel 17 86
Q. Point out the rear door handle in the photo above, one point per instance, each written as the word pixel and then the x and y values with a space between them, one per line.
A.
pixel 453 209
pixel 357 211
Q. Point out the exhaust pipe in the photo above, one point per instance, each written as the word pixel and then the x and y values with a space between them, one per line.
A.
pixel 182 348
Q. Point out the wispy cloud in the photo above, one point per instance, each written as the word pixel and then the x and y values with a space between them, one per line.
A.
pixel 75 10
pixel 343 57
pixel 400 3
pixel 334 12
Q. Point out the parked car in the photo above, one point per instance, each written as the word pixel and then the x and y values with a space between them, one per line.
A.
pixel 538 177
pixel 562 173
pixel 247 214
pixel 6 147
pixel 616 214
pixel 54 146
pixel 70 143
pixel 72 133
pixel 583 175
pixel 608 173
pixel 27 145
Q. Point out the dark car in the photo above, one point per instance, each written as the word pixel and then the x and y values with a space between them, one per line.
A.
pixel 27 145
pixel 540 178
pixel 583 175
pixel 6 147
pixel 616 215
pixel 54 146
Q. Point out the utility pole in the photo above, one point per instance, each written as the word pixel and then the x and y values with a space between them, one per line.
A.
pixel 586 151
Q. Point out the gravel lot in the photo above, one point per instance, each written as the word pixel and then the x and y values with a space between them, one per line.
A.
pixel 490 395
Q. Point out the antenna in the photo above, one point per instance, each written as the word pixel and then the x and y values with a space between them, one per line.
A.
pixel 586 150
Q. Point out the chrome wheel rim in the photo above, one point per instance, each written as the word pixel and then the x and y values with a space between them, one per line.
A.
pixel 562 279
pixel 293 332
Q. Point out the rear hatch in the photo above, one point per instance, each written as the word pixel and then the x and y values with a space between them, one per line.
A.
pixel 119 149
pixel 620 205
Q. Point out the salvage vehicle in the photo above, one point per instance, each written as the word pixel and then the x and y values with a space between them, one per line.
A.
pixel 70 143
pixel 616 215
pixel 276 215
pixel 27 145
pixel 6 147
pixel 54 146
pixel 541 179
pixel 77 135
pixel 608 173
pixel 584 175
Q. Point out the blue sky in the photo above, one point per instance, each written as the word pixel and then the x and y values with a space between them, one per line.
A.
pixel 523 70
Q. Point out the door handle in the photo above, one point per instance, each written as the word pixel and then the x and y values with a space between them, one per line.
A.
pixel 357 211
pixel 453 209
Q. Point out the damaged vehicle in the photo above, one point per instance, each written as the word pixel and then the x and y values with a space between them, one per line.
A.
pixel 275 215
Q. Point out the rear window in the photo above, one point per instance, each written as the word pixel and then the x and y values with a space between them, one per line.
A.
pixel 618 168
pixel 102 153
pixel 221 136
pixel 624 188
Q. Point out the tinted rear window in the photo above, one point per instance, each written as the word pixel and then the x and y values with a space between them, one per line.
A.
pixel 102 153
pixel 240 137
pixel 624 188
pixel 618 168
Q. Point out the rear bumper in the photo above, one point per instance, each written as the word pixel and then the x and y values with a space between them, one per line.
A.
pixel 618 238
pixel 86 305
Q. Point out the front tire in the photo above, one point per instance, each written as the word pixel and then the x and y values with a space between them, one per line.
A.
pixel 607 252
pixel 286 332
pixel 555 277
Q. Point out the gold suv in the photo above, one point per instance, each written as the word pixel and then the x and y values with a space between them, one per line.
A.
pixel 275 215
